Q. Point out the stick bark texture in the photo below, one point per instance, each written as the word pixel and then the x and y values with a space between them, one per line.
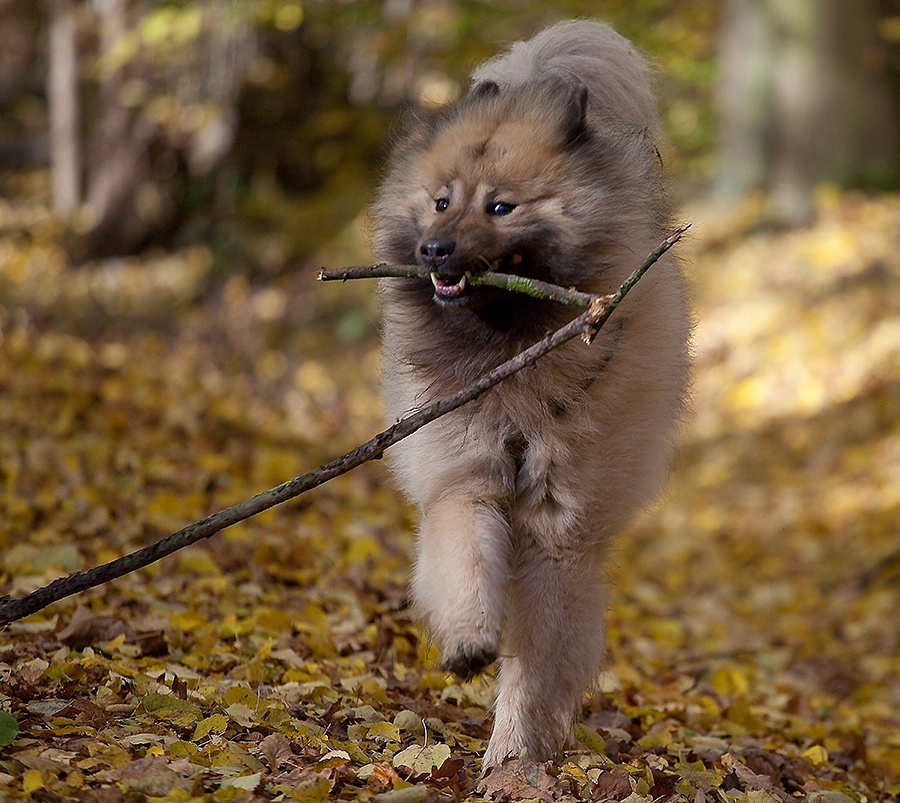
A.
pixel 587 324
pixel 504 281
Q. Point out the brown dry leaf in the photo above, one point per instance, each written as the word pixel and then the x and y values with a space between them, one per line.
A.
pixel 87 712
pixel 310 787
pixel 153 777
pixel 748 778
pixel 519 779
pixel 613 785
pixel 276 749
pixel 86 627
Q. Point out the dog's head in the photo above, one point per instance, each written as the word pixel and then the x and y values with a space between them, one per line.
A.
pixel 489 184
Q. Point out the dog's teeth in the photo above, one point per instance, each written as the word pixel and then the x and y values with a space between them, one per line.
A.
pixel 446 287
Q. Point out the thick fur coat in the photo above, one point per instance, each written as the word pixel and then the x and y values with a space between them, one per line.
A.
pixel 547 168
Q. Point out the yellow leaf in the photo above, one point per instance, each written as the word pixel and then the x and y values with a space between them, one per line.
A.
pixel 333 758
pixel 409 721
pixel 242 714
pixel 727 681
pixel 433 681
pixel 265 651
pixel 303 676
pixel 241 694
pixel 832 247
pixel 363 549
pixel 32 781
pixel 109 754
pixel 289 16
pixel 386 730
pixel 230 627
pixel 246 782
pixel 214 724
pixel 274 620
pixel 313 618
pixel 816 755
pixel 200 562
pixel 311 789
pixel 761 796
pixel 590 738
pixel 420 760
pixel 181 749
pixel 188 621
pixel 351 748
pixel 662 738
pixel 175 796
pixel 316 380
pixel 409 794
pixel 180 713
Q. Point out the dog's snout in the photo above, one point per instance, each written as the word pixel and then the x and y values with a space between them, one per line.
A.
pixel 435 253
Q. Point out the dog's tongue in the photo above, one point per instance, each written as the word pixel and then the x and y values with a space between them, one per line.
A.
pixel 448 288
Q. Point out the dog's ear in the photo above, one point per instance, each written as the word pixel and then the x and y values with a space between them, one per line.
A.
pixel 481 91
pixel 484 89
pixel 574 119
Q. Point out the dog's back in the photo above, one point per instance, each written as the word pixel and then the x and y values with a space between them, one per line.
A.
pixel 615 74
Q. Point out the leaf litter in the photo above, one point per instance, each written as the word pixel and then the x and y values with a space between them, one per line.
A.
pixel 753 637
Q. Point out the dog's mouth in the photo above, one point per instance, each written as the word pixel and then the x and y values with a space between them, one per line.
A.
pixel 449 288
pixel 455 289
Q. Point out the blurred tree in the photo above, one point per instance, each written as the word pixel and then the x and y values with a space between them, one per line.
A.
pixel 165 79
pixel 803 99
pixel 23 125
pixel 257 125
pixel 63 102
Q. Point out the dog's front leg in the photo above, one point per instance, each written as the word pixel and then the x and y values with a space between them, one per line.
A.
pixel 460 577
pixel 555 643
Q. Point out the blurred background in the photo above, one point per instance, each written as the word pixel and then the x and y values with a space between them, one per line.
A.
pixel 256 127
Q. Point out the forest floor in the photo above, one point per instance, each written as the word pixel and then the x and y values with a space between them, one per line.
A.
pixel 754 636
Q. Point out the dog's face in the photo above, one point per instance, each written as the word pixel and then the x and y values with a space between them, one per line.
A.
pixel 491 187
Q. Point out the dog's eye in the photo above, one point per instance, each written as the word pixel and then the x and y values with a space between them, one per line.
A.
pixel 441 204
pixel 500 208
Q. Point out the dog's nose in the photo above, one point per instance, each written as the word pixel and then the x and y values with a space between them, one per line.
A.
pixel 436 252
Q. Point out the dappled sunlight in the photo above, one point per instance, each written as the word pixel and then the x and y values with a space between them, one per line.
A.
pixel 771 567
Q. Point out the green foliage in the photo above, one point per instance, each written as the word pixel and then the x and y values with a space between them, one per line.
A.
pixel 9 728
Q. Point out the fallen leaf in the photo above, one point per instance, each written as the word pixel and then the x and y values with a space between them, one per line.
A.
pixel 9 728
pixel 418 760
pixel 276 749
pixel 613 785
pixel 150 776
pixel 411 794
pixel 86 627
pixel 519 779
pixel 245 782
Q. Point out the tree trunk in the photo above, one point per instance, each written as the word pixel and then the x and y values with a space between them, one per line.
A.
pixel 803 99
pixel 63 100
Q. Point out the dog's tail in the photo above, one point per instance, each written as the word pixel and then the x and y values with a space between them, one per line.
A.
pixel 615 73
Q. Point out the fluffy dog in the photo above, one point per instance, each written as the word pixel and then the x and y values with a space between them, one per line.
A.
pixel 547 169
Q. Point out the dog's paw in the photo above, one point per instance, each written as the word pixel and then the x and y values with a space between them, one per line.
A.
pixel 468 660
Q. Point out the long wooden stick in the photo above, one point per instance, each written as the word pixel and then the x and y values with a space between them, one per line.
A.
pixel 587 325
